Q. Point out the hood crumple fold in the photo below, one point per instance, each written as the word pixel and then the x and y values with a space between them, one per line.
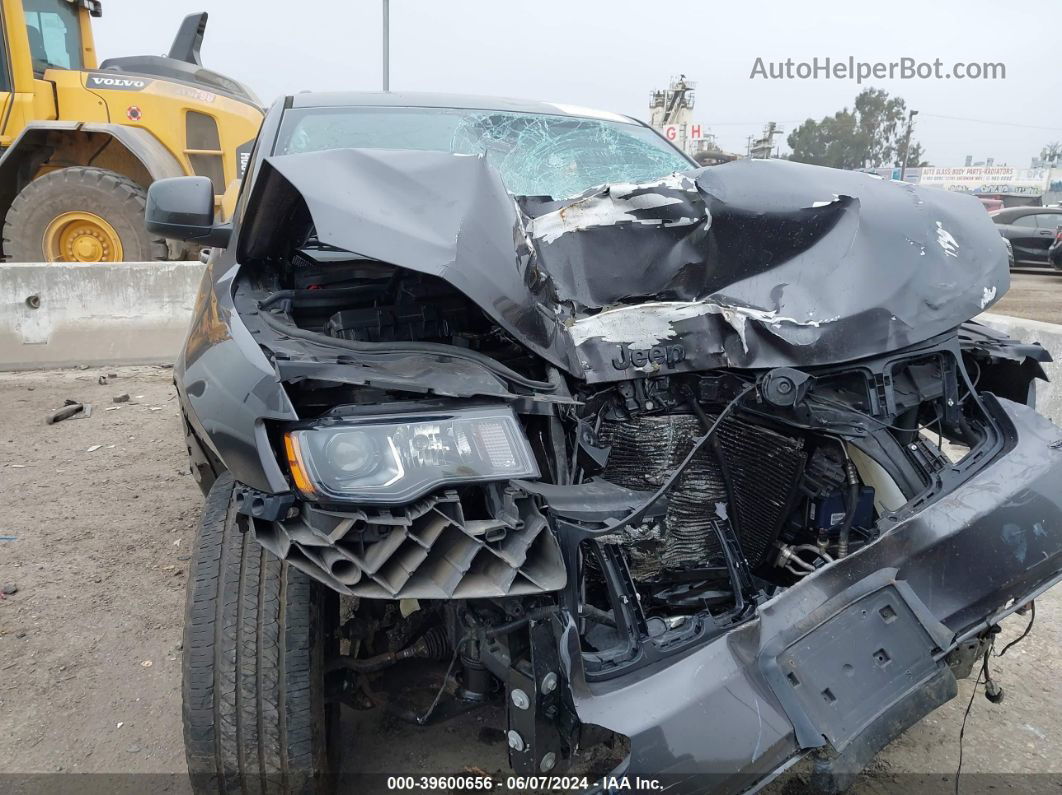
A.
pixel 444 215
pixel 751 264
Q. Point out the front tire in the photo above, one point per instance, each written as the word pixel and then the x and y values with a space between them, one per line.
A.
pixel 254 711
pixel 80 214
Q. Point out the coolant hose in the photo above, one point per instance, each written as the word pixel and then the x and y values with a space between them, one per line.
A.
pixel 851 506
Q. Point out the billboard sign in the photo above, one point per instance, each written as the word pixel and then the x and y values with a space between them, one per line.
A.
pixel 990 180
pixel 673 132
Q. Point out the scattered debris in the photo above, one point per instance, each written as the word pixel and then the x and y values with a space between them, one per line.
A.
pixel 146 664
pixel 102 380
pixel 112 408
pixel 71 410
pixel 9 588
pixel 155 408
pixel 122 398
pixel 94 448
pixel 8 538
pixel 119 724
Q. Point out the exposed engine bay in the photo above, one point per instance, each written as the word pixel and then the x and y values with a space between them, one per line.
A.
pixel 580 480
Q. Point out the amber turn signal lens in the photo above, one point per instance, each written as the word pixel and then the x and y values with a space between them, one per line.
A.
pixel 296 465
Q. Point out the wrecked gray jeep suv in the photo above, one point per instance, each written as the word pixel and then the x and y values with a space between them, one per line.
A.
pixel 526 441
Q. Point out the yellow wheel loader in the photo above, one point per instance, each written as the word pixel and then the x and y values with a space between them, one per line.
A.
pixel 83 140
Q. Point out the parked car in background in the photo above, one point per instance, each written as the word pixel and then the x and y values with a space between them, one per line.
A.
pixel 1030 230
pixel 1054 254
pixel 1010 252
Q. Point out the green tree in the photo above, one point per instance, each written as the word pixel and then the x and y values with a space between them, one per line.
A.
pixel 867 136
pixel 917 158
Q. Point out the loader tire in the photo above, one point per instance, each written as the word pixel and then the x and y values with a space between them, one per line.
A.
pixel 80 214
pixel 253 690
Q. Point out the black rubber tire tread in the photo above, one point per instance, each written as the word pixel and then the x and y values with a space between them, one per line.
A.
pixel 115 198
pixel 254 718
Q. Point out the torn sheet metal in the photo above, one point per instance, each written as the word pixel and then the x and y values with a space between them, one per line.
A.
pixel 750 264
pixel 784 264
pixel 441 214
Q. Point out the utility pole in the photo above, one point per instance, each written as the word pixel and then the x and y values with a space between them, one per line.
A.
pixel 386 45
pixel 907 143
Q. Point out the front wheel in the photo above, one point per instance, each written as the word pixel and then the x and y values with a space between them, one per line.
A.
pixel 80 214
pixel 254 643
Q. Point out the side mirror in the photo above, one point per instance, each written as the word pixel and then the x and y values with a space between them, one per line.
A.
pixel 182 208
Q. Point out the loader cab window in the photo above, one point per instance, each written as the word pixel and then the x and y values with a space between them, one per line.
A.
pixel 54 34
pixel 5 69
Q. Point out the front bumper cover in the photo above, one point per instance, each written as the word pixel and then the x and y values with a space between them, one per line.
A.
pixel 851 656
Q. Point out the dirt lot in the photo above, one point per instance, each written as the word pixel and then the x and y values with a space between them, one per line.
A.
pixel 103 513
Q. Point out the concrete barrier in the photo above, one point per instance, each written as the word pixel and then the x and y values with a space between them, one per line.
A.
pixel 1048 395
pixel 59 315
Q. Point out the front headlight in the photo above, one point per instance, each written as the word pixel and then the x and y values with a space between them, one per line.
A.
pixel 397 458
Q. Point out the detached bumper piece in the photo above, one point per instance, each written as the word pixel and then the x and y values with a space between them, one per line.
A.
pixel 429 549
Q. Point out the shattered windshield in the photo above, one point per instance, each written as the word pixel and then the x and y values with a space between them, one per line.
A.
pixel 536 154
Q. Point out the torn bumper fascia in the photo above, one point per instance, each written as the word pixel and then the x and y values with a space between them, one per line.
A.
pixel 852 655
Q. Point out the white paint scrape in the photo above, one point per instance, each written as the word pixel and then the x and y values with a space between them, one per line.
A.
pixel 642 326
pixel 617 204
pixel 988 296
pixel 946 241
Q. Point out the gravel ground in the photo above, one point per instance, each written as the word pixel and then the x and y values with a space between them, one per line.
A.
pixel 90 643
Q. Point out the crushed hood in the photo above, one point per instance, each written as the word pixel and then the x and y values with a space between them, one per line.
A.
pixel 749 264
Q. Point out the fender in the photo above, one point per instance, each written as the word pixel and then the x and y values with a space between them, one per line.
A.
pixel 36 143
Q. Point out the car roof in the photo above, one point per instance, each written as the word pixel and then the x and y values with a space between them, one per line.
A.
pixel 415 99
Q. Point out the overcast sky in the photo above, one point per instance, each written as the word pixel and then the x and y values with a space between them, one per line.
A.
pixel 610 54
